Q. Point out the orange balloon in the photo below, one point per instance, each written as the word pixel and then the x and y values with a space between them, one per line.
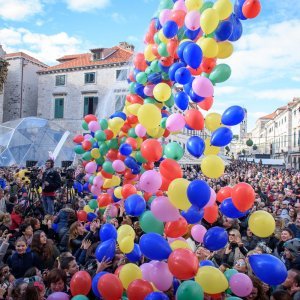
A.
pixel 78 139
pixel 243 196
pixel 211 214
pixel 178 17
pixel 165 183
pixel 194 119
pixel 224 193
pixel 151 150
pixel 177 228
pixel 208 64
pixel 127 190
pixel 170 169
pixel 132 142
pixel 206 104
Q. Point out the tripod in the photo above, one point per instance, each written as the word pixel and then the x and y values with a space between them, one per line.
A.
pixel 33 200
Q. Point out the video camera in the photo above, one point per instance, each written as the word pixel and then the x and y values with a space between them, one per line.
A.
pixel 68 176
pixel 32 173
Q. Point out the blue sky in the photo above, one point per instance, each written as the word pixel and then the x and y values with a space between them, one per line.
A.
pixel 265 64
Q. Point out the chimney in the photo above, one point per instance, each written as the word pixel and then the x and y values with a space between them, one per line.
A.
pixel 126 46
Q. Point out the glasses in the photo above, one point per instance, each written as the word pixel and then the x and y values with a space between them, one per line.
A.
pixel 231 234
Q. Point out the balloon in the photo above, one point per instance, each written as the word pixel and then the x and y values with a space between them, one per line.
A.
pixel 156 296
pixel 211 214
pixel 118 165
pixel 213 121
pixel 128 190
pixel 163 210
pixel 95 283
pixel 221 137
pixel 149 116
pixel 151 150
pixel 189 290
pixel 268 268
pixel 209 47
pixel 229 273
pixel 212 199
pixel 209 149
pixel 228 209
pixel 106 249
pixel 192 20
pixel 80 297
pixel 91 216
pixel 224 8
pixel 241 285
pixel 181 100
pixel 149 223
pixel 224 193
pixel 251 8
pixel 224 31
pixel 209 20
pixel 135 255
pixel 170 169
pixel 193 215
pixel 183 264
pixel 179 244
pixel 177 193
pixel 124 231
pixel 220 73
pixel 173 150
pixel 237 28
pixel 161 276
pixel 91 167
pixel 176 228
pixel 139 289
pixel 140 130
pixel 129 273
pixel 82 216
pixel 162 92
pixel 58 296
pixel 110 287
pixel 211 279
pixel 198 193
pixel 203 87
pixel 135 205
pixel 233 115
pixel 195 146
pixel 125 149
pixel 194 119
pixel 204 263
pixel 198 231
pixel 81 283
pixel 154 246
pixel 243 196
pixel 212 166
pixel 192 55
pixel 215 238
pixel 261 223
pixel 170 29
pixel 175 122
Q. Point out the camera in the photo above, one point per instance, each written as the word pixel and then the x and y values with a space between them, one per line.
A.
pixel 32 174
pixel 68 177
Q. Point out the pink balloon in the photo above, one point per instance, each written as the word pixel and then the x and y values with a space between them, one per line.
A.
pixel 118 165
pixel 112 211
pixel 140 130
pixel 150 181
pixel 175 122
pixel 58 296
pixel 91 167
pixel 148 90
pixel 192 20
pixel 164 16
pixel 163 209
pixel 98 181
pixel 171 240
pixel 161 276
pixel 87 136
pixel 95 190
pixel 241 285
pixel 198 231
pixel 87 177
pixel 203 87
pixel 180 5
pixel 94 126
pixel 110 191
pixel 146 269
pixel 212 199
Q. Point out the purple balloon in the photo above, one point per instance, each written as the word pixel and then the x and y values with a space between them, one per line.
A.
pixel 203 87
pixel 58 296
pixel 146 269
pixel 241 285
pixel 198 231
pixel 161 276
pixel 150 181
pixel 163 210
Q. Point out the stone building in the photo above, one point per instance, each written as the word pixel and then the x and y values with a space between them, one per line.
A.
pixel 3 76
pixel 81 84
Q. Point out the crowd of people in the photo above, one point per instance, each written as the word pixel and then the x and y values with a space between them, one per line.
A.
pixel 43 242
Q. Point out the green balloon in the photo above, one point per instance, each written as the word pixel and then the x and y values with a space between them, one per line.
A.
pixel 93 204
pixel 100 136
pixel 85 125
pixel 113 144
pixel 148 71
pixel 155 66
pixel 91 179
pixel 78 149
pixel 220 73
pixel 162 50
pixel 163 123
pixel 141 77
pixel 156 39
pixel 149 100
pixel 174 151
pixel 87 156
pixel 181 34
pixel 165 76
pixel 230 272
pixel 123 140
pixel 149 223
pixel 131 87
pixel 139 158
pixel 150 200
pixel 80 297
pixel 103 124
pixel 103 148
pixel 170 102
pixel 100 161
pixel 166 4
pixel 131 133
pixel 189 290
pixel 206 5
pixel 249 143
pixel 234 298
pixel 107 167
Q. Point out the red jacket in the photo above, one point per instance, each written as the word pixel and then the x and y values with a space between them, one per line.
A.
pixel 16 220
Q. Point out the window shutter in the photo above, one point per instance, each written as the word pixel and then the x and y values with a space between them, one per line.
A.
pixel 95 104
pixel 86 106
pixel 59 108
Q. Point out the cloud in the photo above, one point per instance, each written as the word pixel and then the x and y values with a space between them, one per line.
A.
pixel 118 18
pixel 296 78
pixel 283 95
pixel 87 5
pixel 257 114
pixel 19 10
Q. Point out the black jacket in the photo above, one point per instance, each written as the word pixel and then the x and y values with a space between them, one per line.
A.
pixel 54 180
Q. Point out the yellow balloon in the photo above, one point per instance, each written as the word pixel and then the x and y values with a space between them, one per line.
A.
pixel 149 56
pixel 162 92
pixel 117 192
pixel 224 8
pixel 133 108
pixel 129 273
pixel 159 105
pixel 213 121
pixel 162 37
pixel 124 231
pixel 211 279
pixel 115 123
pixel 156 132
pixel 225 49
pixel 177 193
pixel 209 20
pixel 139 142
pixel 210 149
pixel 95 153
pixel 209 47
pixel 87 209
pixel 262 224
pixel 179 244
pixel 212 166
pixel 114 181
pixel 193 4
pixel 149 116
pixel 185 40
pixel 126 244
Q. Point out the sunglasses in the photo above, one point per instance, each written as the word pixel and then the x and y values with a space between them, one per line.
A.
pixel 231 234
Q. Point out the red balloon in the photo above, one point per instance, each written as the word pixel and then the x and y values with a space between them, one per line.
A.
pixel 132 142
pixel 140 62
pixel 243 196
pixel 104 200
pixel 81 283
pixel 167 61
pixel 211 214
pixel 109 134
pixel 81 216
pixel 106 175
pixel 224 193
pixel 178 17
pixel 206 104
pixel 151 150
pixel 78 139
pixel 251 8
pixel 127 190
pixel 128 175
pixel 86 145
pixel 148 165
pixel 110 287
pixel 170 169
pixel 194 72
pixel 121 157
pixel 133 119
pixel 183 263
pixel 112 154
pixel 172 46
pixel 147 196
pixel 166 133
pixel 208 64
pixel 139 289
pixel 134 99
pixel 194 119
pixel 165 183
pixel 118 270
pixel 176 228
pixel 155 50
pixel 149 38
pixel 89 118
pixel 125 127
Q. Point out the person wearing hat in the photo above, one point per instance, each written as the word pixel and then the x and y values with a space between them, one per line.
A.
pixel 291 254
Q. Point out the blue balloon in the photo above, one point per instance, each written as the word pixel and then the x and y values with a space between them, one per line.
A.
pixel 192 55
pixel 139 89
pixel 183 75
pixel 181 100
pixel 181 48
pixel 163 68
pixel 170 29
pixel 233 115
pixel 136 170
pixel 193 215
pixel 135 205
pixel 125 149
pixel 86 186
pixel 221 137
pixel 130 162
pixel 91 216
pixel 115 198
pixel 224 31
pixel 268 268
pixel 135 255
pixel 95 283
pixel 215 238
pixel 195 146
pixel 198 193
pixel 157 296
pixel 154 246
pixel 157 24
pixel 238 9
pixel 228 209
pixel 194 97
pixel 191 34
pixel 107 232
pixel 188 87
pixel 155 78
pixel 54 227
pixel 119 114
pixel 79 188
pixel 174 67
pixel 106 249
pixel 176 284
pixel 206 263
pixel 237 28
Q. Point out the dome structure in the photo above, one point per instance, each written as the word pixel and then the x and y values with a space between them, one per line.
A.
pixel 34 139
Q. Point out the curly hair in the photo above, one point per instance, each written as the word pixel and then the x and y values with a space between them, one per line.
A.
pixel 43 250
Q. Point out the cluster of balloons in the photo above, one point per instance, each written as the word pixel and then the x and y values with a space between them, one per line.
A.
pixel 128 162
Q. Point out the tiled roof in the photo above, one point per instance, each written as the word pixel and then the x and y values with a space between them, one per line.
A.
pixel 119 55
pixel 269 116
pixel 24 55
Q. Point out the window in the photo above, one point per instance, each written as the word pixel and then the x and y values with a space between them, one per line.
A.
pixel 298 137
pixel 295 138
pixel 120 101
pixel 59 108
pixel 60 80
pixel 90 77
pixel 121 75
pixel 90 105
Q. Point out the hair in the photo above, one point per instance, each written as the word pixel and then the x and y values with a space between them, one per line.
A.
pixel 4 218
pixel 33 222
pixel 32 292
pixel 61 257
pixel 23 227
pixel 64 263
pixel 281 295
pixel 73 232
pixel 30 272
pixel 297 276
pixel 289 231
pixel 236 232
pixel 17 293
pixel 51 161
pixel 257 284
pixel 56 275
pixel 46 251
pixel 21 239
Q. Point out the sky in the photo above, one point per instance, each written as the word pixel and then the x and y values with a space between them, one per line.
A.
pixel 265 63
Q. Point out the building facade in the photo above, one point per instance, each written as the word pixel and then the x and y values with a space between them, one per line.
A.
pixel 91 83
pixel 3 76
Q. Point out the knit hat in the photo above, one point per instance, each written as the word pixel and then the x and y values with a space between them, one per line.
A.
pixel 293 246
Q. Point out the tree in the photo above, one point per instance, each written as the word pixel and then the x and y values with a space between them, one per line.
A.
pixel 3 72
pixel 249 143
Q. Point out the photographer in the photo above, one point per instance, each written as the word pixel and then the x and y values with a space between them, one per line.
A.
pixel 51 181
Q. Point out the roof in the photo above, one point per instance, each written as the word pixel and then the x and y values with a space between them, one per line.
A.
pixel 24 55
pixel 269 116
pixel 118 55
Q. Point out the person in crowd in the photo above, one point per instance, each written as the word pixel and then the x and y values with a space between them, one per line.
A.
pixel 291 255
pixel 286 235
pixel 77 234
pixel 292 284
pixel 56 282
pixel 26 232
